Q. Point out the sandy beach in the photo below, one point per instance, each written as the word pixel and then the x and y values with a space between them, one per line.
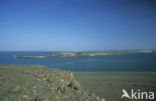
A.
pixel 109 85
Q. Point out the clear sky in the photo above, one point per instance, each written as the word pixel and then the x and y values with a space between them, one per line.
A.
pixel 75 25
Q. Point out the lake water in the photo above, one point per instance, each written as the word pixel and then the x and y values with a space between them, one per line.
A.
pixel 123 62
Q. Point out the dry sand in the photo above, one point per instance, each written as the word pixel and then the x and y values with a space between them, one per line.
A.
pixel 109 85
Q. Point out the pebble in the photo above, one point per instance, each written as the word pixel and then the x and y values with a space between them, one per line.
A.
pixel 39 80
pixel 51 79
pixel 25 96
pixel 41 75
pixel 62 80
pixel 34 86
pixel 98 98
pixel 93 95
pixel 34 91
pixel 103 99
pixel 46 99
pixel 16 88
pixel 25 89
pixel 44 79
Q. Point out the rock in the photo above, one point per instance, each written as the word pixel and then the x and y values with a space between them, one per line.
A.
pixel 40 75
pixel 62 80
pixel 93 95
pixel 74 84
pixel 61 89
pixel 103 99
pixel 71 75
pixel 25 96
pixel 98 98
pixel 1 80
pixel 51 79
pixel 25 89
pixel 39 80
pixel 17 88
pixel 34 86
pixel 44 79
pixel 5 83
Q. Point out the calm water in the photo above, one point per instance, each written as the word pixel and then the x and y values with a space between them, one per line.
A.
pixel 124 62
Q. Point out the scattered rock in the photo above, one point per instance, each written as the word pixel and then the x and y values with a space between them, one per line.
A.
pixel 17 88
pixel 74 84
pixel 103 99
pixel 37 83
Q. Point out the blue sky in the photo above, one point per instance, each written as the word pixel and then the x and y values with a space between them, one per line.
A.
pixel 76 25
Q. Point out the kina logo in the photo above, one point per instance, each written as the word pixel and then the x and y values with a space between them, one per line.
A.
pixel 137 94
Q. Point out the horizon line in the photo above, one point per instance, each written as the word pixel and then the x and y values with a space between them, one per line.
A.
pixel 72 50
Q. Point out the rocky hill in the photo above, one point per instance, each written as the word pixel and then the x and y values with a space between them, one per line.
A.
pixel 38 83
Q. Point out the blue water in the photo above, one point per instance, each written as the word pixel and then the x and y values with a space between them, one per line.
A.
pixel 123 62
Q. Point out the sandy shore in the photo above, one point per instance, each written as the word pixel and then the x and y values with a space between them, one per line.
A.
pixel 109 85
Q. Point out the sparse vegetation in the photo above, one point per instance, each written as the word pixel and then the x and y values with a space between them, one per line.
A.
pixel 38 83
pixel 73 54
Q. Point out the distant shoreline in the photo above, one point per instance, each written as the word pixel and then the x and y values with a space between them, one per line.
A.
pixel 86 53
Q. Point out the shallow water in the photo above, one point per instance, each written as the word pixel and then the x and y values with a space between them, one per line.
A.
pixel 123 62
